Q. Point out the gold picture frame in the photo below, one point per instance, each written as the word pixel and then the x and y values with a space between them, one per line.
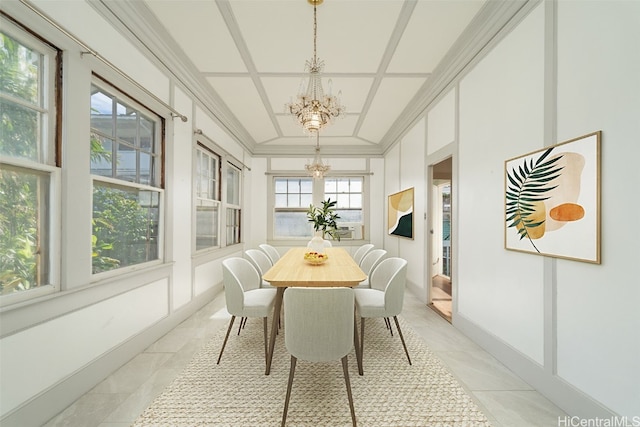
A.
pixel 400 214
pixel 552 200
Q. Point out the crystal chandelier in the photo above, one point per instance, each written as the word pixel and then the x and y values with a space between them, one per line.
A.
pixel 314 109
pixel 317 169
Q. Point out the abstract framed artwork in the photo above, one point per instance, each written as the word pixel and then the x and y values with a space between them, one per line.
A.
pixel 552 200
pixel 400 214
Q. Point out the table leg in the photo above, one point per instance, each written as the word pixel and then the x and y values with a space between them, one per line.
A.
pixel 274 327
pixel 356 343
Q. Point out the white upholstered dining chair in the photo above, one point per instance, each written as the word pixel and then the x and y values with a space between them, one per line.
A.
pixel 244 296
pixel 361 252
pixel 319 327
pixel 385 297
pixel 261 262
pixel 271 252
pixel 369 263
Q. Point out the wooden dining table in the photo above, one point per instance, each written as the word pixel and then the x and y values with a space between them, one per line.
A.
pixel 292 270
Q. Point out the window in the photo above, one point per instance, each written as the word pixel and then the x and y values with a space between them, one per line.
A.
pixel 292 199
pixel 28 170
pixel 233 205
pixel 207 184
pixel 348 193
pixel 126 165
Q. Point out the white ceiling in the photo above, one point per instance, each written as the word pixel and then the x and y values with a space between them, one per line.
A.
pixel 248 57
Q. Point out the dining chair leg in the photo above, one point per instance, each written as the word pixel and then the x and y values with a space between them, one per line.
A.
pixel 356 344
pixel 388 323
pixel 395 318
pixel 286 400
pixel 243 321
pixel 264 324
pixel 274 327
pixel 226 337
pixel 361 345
pixel 345 369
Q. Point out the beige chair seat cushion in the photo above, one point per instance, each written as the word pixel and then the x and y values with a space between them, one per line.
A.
pixel 258 302
pixel 370 302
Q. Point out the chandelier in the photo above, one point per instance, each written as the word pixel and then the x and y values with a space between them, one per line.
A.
pixel 317 169
pixel 314 109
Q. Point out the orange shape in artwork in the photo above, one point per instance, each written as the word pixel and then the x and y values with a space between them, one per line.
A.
pixel 567 212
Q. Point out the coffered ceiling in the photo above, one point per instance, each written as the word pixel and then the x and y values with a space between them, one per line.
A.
pixel 244 59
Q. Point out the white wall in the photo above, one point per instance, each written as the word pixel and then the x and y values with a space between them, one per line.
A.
pixel 599 89
pixel 569 328
pixel 501 112
pixel 412 174
pixel 377 202
pixel 180 195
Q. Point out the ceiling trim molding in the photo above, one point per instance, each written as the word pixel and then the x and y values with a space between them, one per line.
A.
pixel 396 36
pixel 308 151
pixel 493 22
pixel 232 25
pixel 151 38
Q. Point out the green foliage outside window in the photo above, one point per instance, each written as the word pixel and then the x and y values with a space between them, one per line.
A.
pixel 19 187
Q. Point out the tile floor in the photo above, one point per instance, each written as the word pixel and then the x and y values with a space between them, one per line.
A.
pixel 116 402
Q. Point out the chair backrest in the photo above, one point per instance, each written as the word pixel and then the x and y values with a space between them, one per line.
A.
pixel 318 322
pixel 271 252
pixel 238 276
pixel 260 260
pixel 361 252
pixel 371 259
pixel 390 276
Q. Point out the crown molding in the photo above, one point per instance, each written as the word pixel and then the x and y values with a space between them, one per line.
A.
pixel 309 151
pixel 494 20
pixel 160 48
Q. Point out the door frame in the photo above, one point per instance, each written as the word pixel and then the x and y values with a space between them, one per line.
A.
pixel 432 191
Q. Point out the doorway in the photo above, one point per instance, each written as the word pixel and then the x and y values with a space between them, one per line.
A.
pixel 440 292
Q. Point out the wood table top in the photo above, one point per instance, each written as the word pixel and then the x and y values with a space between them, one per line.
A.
pixel 292 270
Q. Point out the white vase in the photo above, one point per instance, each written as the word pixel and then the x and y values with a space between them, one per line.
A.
pixel 317 243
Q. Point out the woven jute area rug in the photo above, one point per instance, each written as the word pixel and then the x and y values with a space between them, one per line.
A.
pixel 238 393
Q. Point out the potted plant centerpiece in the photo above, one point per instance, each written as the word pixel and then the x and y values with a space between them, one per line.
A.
pixel 324 219
pixel 324 223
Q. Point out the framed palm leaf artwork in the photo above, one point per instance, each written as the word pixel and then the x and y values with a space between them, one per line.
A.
pixel 552 200
pixel 400 214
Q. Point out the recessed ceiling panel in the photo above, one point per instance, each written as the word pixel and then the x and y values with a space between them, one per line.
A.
pixel 243 100
pixel 433 28
pixel 392 97
pixel 279 34
pixel 199 29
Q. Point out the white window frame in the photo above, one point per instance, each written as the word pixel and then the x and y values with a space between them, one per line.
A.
pixel 45 164
pixel 353 230
pixel 202 149
pixel 233 209
pixel 157 179
pixel 318 196
pixel 301 209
